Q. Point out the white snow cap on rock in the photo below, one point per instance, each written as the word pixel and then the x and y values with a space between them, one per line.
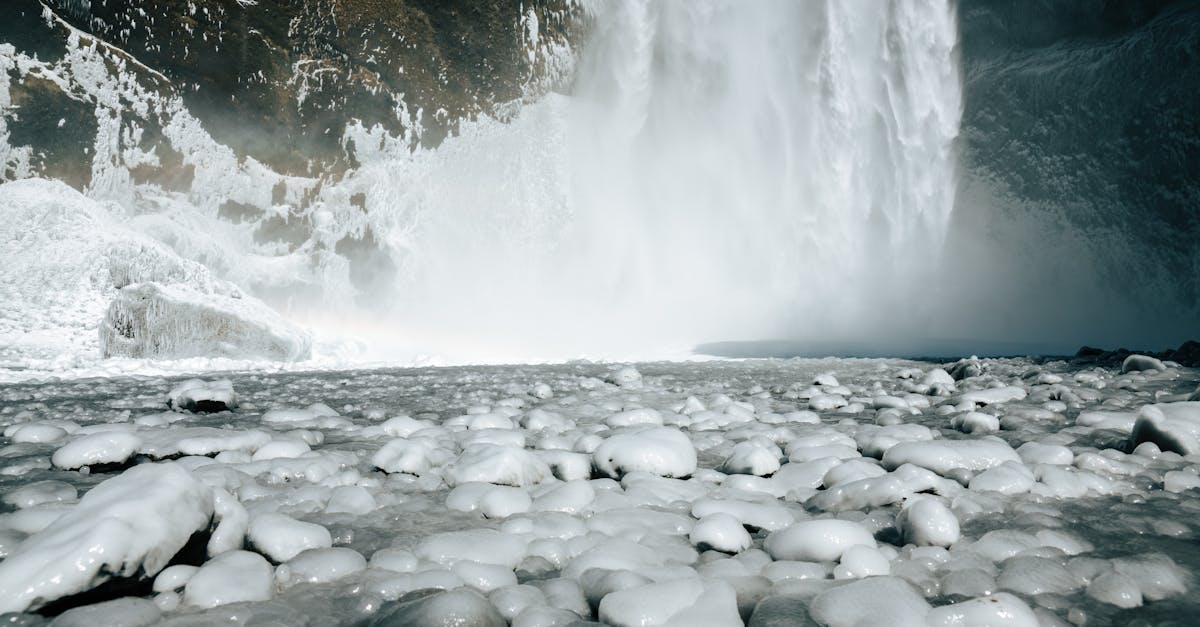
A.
pixel 134 522
pixel 197 395
pixel 662 451
pixel 817 540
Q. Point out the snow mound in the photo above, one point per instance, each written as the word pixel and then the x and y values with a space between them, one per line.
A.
pixel 134 522
pixel 661 451
pixel 66 258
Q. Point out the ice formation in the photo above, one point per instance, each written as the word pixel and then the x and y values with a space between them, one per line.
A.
pixel 531 508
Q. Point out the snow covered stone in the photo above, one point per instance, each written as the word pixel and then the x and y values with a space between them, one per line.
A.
pixel 281 537
pixel 178 320
pixel 627 377
pixel 134 522
pixel 975 422
pixel 1172 426
pixel 415 456
pixel 682 602
pixel 817 540
pixel 320 566
pixel 40 492
pixel 461 606
pixel 1141 363
pixel 876 600
pixel 196 395
pixel 942 456
pixel 498 464
pixel 927 522
pixel 106 447
pixel 126 612
pixel 230 577
pixel 486 546
pixel 751 458
pixel 720 532
pixel 662 451
pixel 1000 610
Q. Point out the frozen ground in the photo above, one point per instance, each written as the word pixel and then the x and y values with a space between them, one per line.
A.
pixel 774 492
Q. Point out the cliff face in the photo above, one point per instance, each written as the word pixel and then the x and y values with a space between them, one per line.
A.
pixel 275 81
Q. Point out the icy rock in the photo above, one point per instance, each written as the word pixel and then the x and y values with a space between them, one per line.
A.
pixel 1180 480
pixel 1032 575
pixel 232 522
pixel 484 577
pixel 750 458
pixel 547 617
pixel 178 320
pixel 281 537
pixel 1041 453
pixel 415 457
pixel 966 368
pixel 997 610
pixel 682 602
pixel 817 540
pixel 1115 589
pixel 1007 478
pixel 134 522
pixel 994 396
pixel 230 577
pixel 942 456
pixel 174 577
pixel 198 396
pixel 512 600
pixel 1141 363
pixel 1157 576
pixel 662 451
pixel 873 601
pixel 498 464
pixel 570 496
pixel 1172 426
pixel 769 515
pixel 862 561
pixel 350 499
pixel 627 377
pixel 394 559
pixel 35 433
pixel 564 594
pixel 40 492
pixel 631 417
pixel 975 422
pixel 486 546
pixel 720 532
pixel 927 522
pixel 320 566
pixel 123 612
pixel 106 447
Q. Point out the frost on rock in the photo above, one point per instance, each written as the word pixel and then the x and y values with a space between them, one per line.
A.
pixel 172 321
pixel 68 265
pixel 131 524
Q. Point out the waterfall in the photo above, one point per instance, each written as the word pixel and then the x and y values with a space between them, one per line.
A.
pixel 722 170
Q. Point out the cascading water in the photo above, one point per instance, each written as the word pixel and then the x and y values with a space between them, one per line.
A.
pixel 723 170
pixel 719 170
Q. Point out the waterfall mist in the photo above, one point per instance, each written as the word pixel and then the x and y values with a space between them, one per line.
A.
pixel 722 170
